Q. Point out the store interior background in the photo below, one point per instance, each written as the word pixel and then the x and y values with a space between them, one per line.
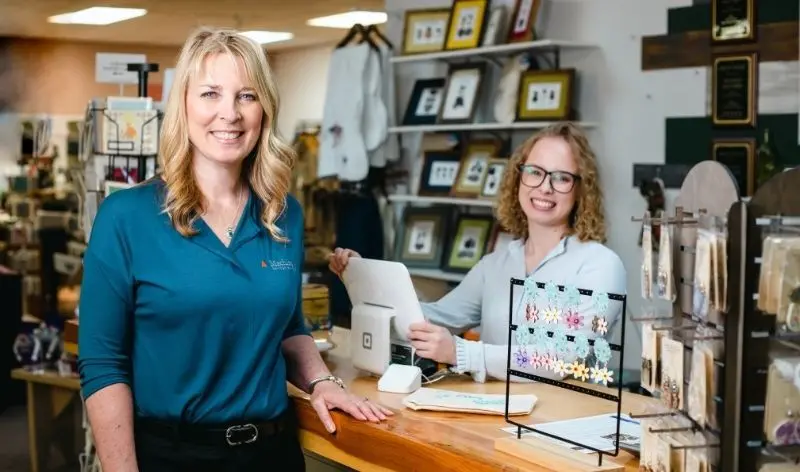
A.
pixel 640 114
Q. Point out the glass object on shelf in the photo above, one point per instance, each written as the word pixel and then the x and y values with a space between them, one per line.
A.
pixel 767 160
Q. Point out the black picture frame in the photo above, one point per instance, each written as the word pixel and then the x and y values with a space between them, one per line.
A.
pixel 438 220
pixel 452 161
pixel 733 22
pixel 734 90
pixel 421 86
pixel 454 79
pixel 739 156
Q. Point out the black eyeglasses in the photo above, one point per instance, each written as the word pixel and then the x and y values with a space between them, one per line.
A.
pixel 534 176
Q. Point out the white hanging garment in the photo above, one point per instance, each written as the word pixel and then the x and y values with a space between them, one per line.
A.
pixel 506 98
pixel 389 150
pixel 342 151
pixel 375 117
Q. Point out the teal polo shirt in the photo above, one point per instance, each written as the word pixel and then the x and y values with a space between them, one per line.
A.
pixel 192 326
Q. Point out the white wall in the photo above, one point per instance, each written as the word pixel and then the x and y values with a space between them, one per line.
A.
pixel 630 105
pixel 302 76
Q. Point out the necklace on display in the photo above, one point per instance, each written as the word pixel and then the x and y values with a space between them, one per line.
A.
pixel 229 230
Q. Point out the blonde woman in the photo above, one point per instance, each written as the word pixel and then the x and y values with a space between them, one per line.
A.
pixel 191 319
pixel 550 201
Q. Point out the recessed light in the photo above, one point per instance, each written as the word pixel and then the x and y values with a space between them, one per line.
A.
pixel 264 37
pixel 347 20
pixel 97 16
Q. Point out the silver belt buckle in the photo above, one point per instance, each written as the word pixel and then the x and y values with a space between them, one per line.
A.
pixel 232 433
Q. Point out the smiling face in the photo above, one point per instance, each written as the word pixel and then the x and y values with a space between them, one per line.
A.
pixel 548 185
pixel 223 112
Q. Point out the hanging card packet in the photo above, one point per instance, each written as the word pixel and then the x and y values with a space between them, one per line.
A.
pixel 783 403
pixel 702 275
pixel 696 401
pixel 650 350
pixel 665 279
pixel 647 258
pixel 663 455
pixel 764 276
pixel 788 293
pixel 672 372
pixel 720 272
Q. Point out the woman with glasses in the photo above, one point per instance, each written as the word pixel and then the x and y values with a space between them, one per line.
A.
pixel 550 201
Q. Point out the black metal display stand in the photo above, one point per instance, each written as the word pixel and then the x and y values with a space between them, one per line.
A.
pixel 599 393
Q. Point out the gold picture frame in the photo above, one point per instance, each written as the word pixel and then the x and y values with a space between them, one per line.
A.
pixel 466 24
pixel 492 181
pixel 546 95
pixel 474 165
pixel 425 30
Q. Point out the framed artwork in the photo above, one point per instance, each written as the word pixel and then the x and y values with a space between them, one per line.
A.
pixel 739 156
pixel 733 21
pixel 469 243
pixel 496 27
pixel 425 102
pixel 425 30
pixel 111 186
pixel 496 167
pixel 462 93
pixel 419 243
pixel 545 95
pixel 465 28
pixel 523 21
pixel 499 239
pixel 734 90
pixel 474 165
pixel 439 173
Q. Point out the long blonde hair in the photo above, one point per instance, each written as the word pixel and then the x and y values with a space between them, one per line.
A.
pixel 268 167
pixel 587 220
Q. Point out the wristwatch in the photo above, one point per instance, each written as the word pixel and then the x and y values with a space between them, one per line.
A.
pixel 324 378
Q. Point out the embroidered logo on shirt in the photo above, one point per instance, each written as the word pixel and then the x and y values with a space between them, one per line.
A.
pixel 281 264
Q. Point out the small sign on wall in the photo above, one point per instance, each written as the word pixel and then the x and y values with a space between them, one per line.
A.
pixel 112 68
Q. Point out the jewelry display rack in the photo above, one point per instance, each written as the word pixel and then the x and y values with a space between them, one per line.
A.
pixel 706 195
pixel 572 385
pixel 750 332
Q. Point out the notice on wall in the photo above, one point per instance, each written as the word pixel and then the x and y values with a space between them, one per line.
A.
pixel 112 68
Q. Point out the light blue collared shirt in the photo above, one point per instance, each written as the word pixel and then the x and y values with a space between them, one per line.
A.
pixel 482 300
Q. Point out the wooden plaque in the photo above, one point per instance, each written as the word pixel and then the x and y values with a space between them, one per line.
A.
pixel 739 157
pixel 732 20
pixel 733 90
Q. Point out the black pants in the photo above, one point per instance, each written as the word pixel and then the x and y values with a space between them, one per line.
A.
pixel 162 448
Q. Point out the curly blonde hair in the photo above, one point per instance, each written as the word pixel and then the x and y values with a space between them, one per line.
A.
pixel 587 220
pixel 268 167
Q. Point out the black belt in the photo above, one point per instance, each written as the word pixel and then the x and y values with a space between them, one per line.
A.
pixel 212 435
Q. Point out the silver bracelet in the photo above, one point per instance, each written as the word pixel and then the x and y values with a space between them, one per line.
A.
pixel 325 378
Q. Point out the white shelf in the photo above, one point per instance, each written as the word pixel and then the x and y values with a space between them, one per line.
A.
pixel 436 274
pixel 481 127
pixel 441 200
pixel 498 50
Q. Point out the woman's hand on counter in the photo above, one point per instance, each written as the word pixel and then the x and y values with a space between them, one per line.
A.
pixel 339 259
pixel 433 342
pixel 328 395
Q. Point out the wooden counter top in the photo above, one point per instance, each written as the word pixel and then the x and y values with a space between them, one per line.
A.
pixel 440 441
pixel 423 440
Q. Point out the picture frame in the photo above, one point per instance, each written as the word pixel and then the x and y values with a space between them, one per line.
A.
pixel 425 30
pixel 493 179
pixel 425 102
pixel 522 27
pixel 734 90
pixel 739 156
pixel 466 24
pixel 546 95
pixel 111 186
pixel 439 173
pixel 420 241
pixel 468 242
pixel 499 239
pixel 733 21
pixel 462 93
pixel 496 26
pixel 473 168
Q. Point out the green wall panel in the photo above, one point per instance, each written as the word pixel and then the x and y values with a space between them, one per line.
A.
pixel 698 17
pixel 688 140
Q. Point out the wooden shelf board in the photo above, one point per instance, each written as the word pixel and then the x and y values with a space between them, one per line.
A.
pixel 481 127
pixel 543 45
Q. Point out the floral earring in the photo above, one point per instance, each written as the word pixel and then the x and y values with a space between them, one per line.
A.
pixel 531 310
pixel 600 303
pixel 572 300
pixel 552 314
pixel 539 357
pixel 579 369
pixel 600 372
pixel 562 350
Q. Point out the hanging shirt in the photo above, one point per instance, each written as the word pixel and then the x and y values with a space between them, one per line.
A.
pixel 482 300
pixel 192 326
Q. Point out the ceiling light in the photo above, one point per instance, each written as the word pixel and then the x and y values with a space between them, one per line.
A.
pixel 97 16
pixel 264 37
pixel 347 20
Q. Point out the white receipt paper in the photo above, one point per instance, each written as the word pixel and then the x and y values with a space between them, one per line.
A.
pixel 598 432
pixel 486 404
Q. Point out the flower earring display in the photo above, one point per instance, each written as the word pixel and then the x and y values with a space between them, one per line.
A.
pixel 602 353
pixel 600 303
pixel 552 314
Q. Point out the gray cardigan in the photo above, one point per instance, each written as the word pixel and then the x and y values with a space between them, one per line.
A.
pixel 482 300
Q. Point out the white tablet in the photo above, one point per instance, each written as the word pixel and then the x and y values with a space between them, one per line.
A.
pixel 387 284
